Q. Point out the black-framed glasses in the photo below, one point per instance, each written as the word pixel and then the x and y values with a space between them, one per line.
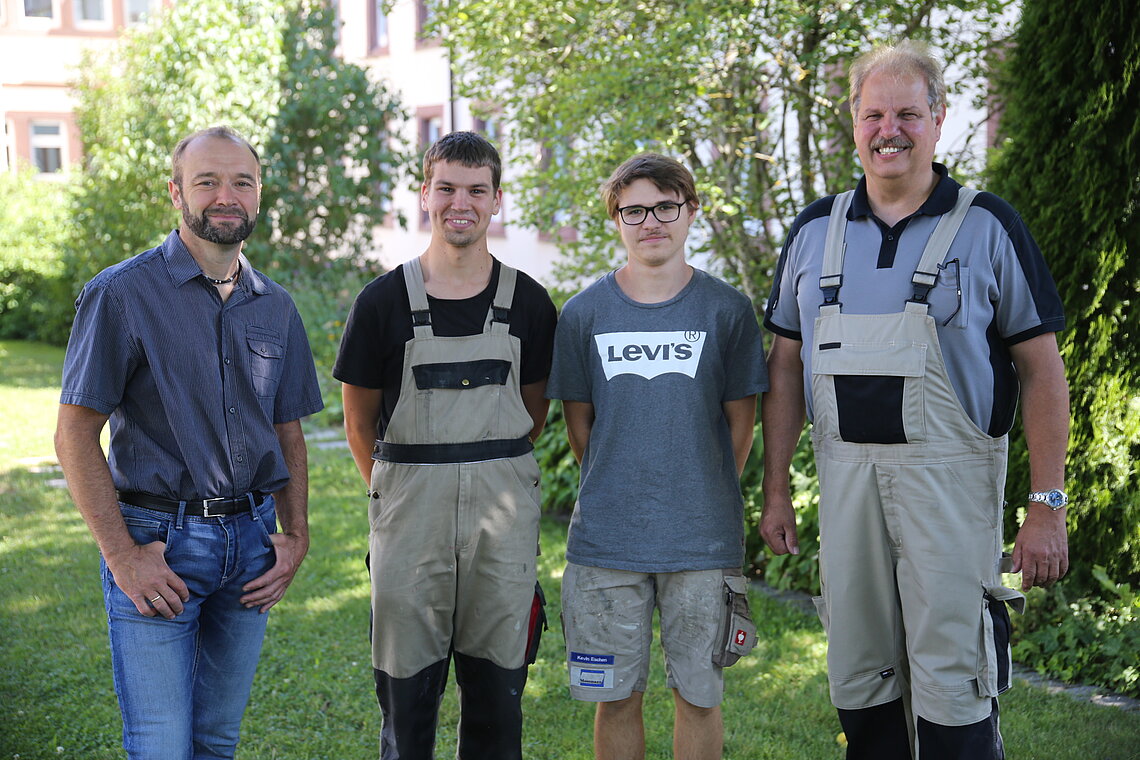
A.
pixel 669 211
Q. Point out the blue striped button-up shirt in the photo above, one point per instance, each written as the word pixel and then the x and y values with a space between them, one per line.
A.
pixel 193 386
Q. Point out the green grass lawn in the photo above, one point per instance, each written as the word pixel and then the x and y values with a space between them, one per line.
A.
pixel 313 698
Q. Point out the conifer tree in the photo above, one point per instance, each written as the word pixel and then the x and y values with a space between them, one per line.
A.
pixel 1069 161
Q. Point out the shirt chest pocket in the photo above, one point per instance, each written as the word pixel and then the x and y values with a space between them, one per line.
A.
pixel 266 360
pixel 950 298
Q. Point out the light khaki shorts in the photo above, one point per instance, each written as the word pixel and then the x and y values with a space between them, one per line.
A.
pixel 607 620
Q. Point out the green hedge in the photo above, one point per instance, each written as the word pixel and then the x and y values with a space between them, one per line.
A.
pixel 33 302
pixel 1069 93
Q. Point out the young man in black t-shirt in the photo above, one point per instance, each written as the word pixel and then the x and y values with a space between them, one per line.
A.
pixel 444 364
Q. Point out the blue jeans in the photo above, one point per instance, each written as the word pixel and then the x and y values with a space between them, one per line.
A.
pixel 183 684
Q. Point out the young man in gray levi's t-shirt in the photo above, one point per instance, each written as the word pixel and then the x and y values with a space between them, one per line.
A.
pixel 658 365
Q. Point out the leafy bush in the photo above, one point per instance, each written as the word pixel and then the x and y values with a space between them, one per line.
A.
pixel 787 571
pixel 323 298
pixel 32 227
pixel 1088 639
pixel 556 460
pixel 327 132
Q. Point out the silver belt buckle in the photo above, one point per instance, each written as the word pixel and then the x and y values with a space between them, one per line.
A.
pixel 206 506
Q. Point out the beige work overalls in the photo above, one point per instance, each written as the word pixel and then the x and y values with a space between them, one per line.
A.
pixel 910 518
pixel 455 506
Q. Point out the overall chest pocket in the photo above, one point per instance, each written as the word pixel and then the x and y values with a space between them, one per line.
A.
pixel 874 390
pixel 266 360
pixel 460 401
pixel 461 375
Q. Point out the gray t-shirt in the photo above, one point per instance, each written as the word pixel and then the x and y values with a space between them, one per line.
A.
pixel 659 490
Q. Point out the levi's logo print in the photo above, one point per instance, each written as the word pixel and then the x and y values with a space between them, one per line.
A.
pixel 650 354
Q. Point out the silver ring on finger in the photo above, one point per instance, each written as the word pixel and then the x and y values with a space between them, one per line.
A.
pixel 155 599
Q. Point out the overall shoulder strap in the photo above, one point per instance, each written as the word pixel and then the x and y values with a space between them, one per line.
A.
pixel 831 275
pixel 499 316
pixel 939 244
pixel 417 298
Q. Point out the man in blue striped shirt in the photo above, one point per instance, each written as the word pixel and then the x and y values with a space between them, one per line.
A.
pixel 202 367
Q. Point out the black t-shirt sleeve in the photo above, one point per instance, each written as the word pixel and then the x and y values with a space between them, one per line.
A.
pixel 533 319
pixel 374 334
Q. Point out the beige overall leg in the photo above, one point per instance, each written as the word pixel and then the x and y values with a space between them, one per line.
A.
pixel 453 543
pixel 910 524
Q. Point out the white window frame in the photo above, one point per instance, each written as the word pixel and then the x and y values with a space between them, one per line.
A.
pixel 86 23
pixel 379 17
pixel 153 6
pixel 48 142
pixel 38 22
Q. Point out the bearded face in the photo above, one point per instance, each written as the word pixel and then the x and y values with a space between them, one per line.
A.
pixel 227 225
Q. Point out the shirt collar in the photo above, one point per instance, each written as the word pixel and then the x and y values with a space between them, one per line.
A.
pixel 939 202
pixel 183 268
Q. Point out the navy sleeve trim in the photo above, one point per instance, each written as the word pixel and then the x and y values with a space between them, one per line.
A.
pixel 1052 326
pixel 819 208
pixel 781 331
pixel 1046 300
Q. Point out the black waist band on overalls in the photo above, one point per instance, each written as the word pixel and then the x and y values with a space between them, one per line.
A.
pixel 451 453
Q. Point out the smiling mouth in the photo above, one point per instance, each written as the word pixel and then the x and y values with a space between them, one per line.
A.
pixel 891 147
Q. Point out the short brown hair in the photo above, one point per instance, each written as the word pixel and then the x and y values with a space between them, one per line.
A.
pixel 904 57
pixel 223 131
pixel 467 149
pixel 669 175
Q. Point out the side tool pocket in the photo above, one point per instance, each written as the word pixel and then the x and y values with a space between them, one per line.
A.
pixel 537 625
pixel 737 631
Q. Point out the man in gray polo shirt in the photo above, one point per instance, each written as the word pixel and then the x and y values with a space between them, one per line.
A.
pixel 907 314
pixel 658 365
pixel 202 366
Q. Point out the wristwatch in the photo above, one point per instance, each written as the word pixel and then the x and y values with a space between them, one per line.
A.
pixel 1054 499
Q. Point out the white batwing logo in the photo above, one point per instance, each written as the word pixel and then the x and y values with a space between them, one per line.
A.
pixel 650 354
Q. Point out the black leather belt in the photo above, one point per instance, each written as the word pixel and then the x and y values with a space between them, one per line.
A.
pixel 197 508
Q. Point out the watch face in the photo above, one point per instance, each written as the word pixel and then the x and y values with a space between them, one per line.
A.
pixel 1055 498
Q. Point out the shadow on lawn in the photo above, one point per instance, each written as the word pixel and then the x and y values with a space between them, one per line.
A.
pixel 313 696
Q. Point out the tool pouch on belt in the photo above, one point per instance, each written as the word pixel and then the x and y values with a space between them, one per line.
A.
pixel 537 625
pixel 737 631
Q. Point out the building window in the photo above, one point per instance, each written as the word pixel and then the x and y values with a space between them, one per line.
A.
pixel 489 128
pixel 90 11
pixel 377 27
pixel 38 9
pixel 487 124
pixel 137 11
pixel 424 17
pixel 47 145
pixel 429 126
pixel 559 228
pixel 431 129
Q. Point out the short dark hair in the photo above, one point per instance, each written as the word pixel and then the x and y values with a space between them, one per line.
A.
pixel 222 131
pixel 467 149
pixel 669 175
